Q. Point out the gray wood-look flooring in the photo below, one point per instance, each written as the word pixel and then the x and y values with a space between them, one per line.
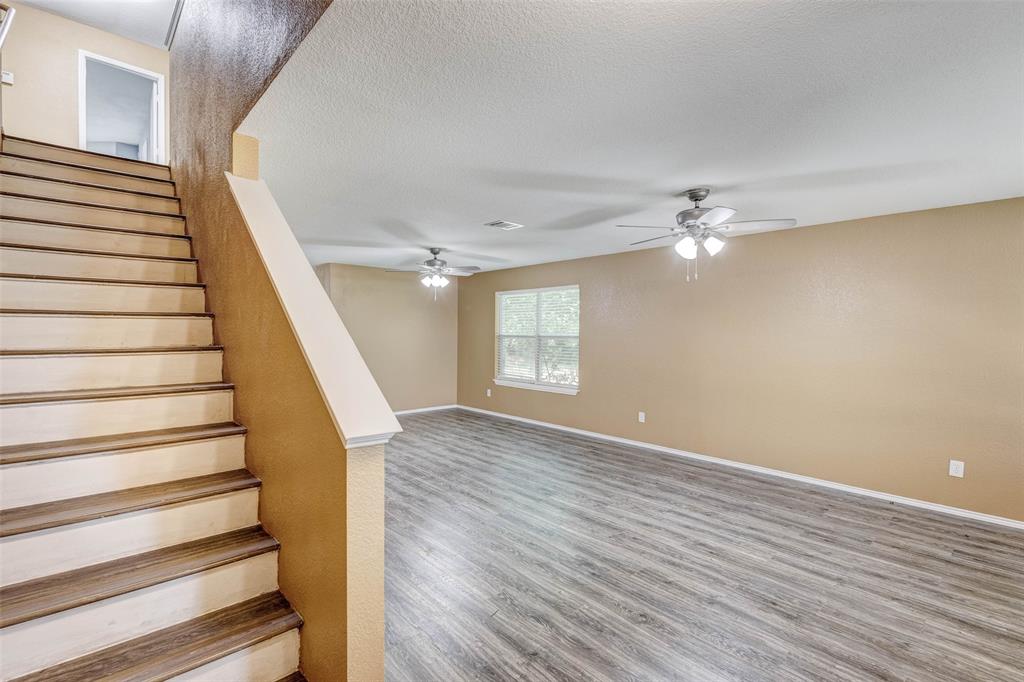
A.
pixel 517 552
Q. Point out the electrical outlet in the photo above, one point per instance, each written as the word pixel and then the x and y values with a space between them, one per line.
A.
pixel 641 417
pixel 6 77
pixel 956 468
pixel 488 393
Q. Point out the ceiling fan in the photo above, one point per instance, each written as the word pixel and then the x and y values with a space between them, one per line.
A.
pixel 699 226
pixel 435 271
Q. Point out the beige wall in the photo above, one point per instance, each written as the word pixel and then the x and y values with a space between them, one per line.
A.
pixel 42 52
pixel 867 352
pixel 409 340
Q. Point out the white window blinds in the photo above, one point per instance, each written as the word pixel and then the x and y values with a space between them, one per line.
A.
pixel 538 339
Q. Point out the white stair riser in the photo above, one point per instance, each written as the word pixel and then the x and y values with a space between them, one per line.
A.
pixel 60 236
pixel 42 422
pixel 56 171
pixel 38 373
pixel 47 332
pixel 52 189
pixel 46 641
pixel 33 555
pixel 66 477
pixel 57 264
pixel 42 151
pixel 28 294
pixel 18 207
pixel 274 659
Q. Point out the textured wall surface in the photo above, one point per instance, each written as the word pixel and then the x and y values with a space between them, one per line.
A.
pixel 41 51
pixel 408 339
pixel 224 54
pixel 868 352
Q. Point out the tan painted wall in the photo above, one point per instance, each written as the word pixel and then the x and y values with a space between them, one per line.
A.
pixel 867 352
pixel 223 57
pixel 409 340
pixel 42 52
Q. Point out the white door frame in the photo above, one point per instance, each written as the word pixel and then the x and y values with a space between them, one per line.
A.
pixel 157 115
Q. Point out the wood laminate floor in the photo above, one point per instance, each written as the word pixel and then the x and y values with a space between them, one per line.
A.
pixel 516 552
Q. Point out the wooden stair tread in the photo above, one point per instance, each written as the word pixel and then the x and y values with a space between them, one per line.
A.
pixel 32 452
pixel 86 226
pixel 176 650
pixel 86 185
pixel 106 393
pixel 103 280
pixel 87 252
pixel 87 204
pixel 88 152
pixel 71 589
pixel 97 313
pixel 147 350
pixel 79 166
pixel 78 509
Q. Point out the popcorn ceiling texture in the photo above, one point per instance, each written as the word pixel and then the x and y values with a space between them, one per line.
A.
pixel 225 53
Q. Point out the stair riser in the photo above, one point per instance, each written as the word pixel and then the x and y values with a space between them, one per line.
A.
pixel 66 477
pixel 33 555
pixel 56 264
pixel 55 211
pixel 42 422
pixel 43 642
pixel 40 234
pixel 41 151
pixel 45 332
pixel 31 373
pixel 27 294
pixel 51 189
pixel 54 171
pixel 273 659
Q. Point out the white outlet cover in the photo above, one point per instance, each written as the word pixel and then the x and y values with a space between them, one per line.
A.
pixel 488 393
pixel 641 417
pixel 956 468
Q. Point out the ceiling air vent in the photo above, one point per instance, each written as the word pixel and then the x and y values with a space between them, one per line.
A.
pixel 503 225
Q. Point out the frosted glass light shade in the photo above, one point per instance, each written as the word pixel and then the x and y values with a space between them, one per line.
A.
pixel 687 247
pixel 713 244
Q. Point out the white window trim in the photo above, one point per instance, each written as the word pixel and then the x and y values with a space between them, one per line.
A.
pixel 547 388
pixel 529 385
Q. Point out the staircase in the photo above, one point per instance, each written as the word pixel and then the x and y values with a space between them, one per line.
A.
pixel 130 547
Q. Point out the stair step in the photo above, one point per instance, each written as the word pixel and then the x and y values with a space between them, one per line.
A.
pixel 64 190
pixel 294 677
pixel 35 452
pixel 54 152
pixel 39 372
pixel 106 393
pixel 45 596
pixel 53 514
pixel 34 418
pixel 58 170
pixel 49 262
pixel 181 648
pixel 101 239
pixel 61 477
pixel 54 329
pixel 27 556
pixel 21 292
pixel 20 207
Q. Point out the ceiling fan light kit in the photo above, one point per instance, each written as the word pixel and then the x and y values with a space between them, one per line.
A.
pixel 703 227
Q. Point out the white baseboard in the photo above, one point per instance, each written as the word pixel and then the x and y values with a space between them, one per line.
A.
pixel 907 501
pixel 434 408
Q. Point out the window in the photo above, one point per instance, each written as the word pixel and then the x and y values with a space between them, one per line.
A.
pixel 538 339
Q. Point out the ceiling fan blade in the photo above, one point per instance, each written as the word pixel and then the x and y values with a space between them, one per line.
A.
pixel 758 225
pixel 461 272
pixel 467 268
pixel 719 214
pixel 644 241
pixel 411 269
pixel 651 227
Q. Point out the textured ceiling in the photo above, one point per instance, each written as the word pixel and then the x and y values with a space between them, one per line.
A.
pixel 146 21
pixel 399 125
